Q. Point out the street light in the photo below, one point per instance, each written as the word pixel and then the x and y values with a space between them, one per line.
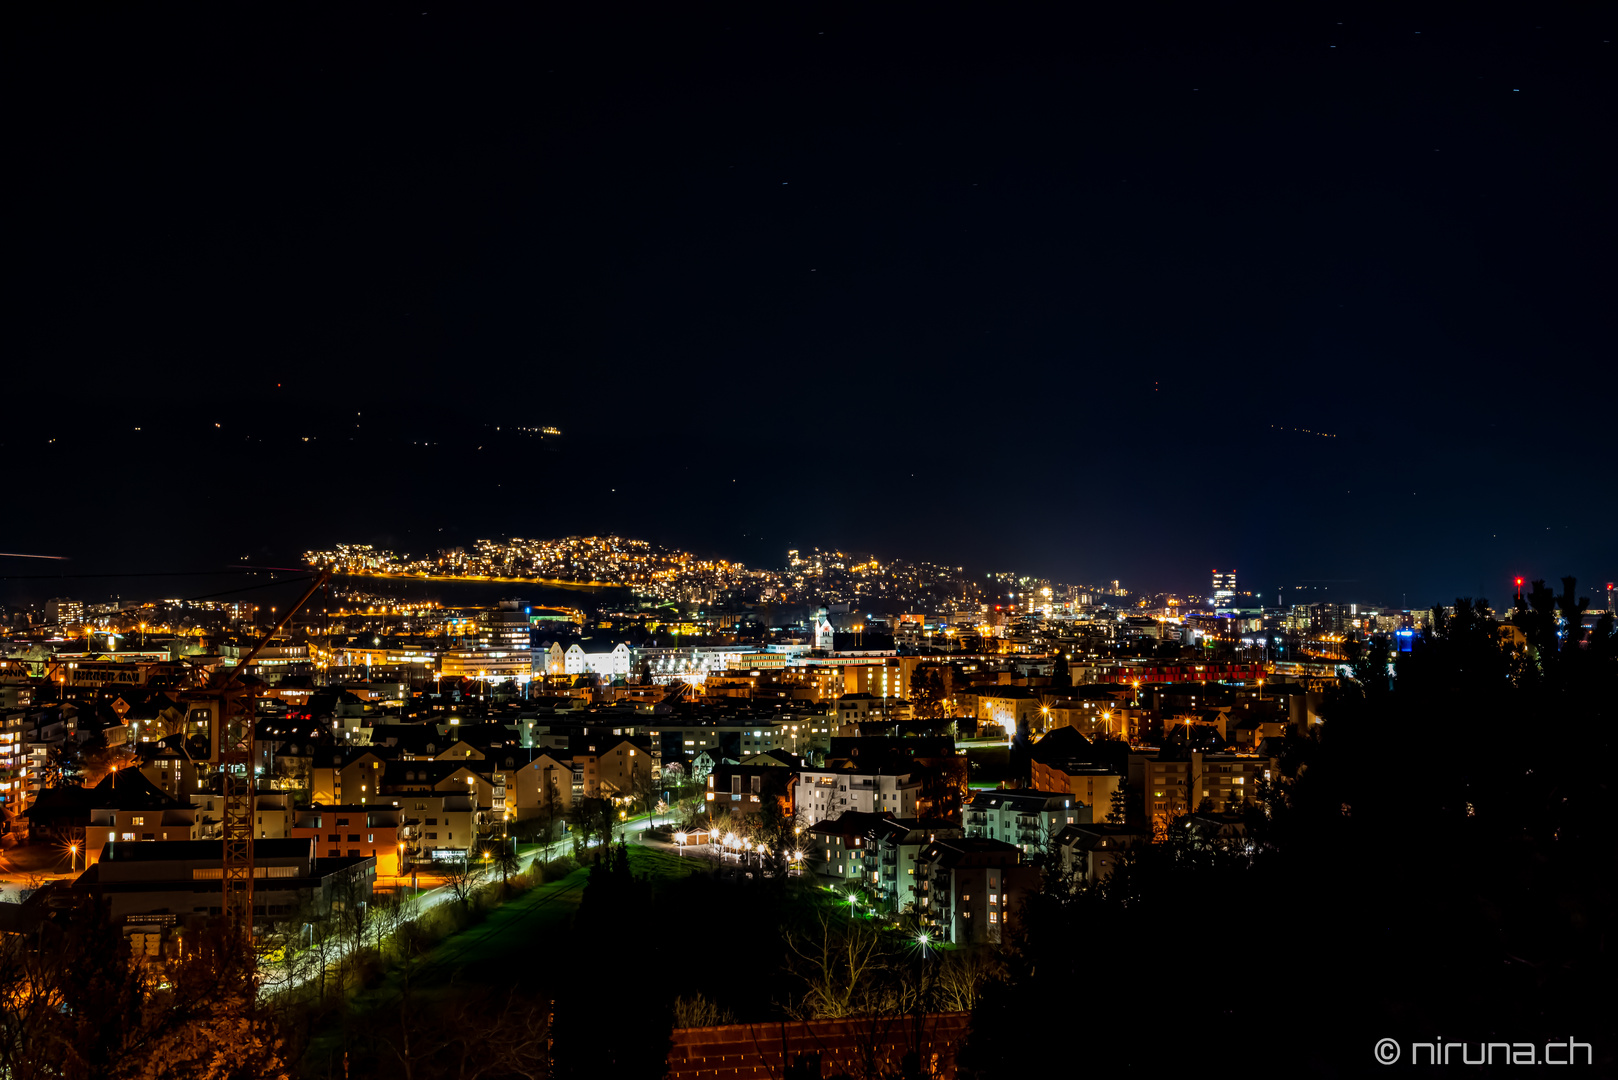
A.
pixel 73 857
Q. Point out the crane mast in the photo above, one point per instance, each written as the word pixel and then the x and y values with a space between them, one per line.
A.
pixel 230 710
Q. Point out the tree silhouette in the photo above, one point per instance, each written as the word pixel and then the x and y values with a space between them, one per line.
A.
pixel 1476 781
pixel 927 693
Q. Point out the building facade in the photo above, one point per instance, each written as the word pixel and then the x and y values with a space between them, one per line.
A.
pixel 827 793
pixel 1028 820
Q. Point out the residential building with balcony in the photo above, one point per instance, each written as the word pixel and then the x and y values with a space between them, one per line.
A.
pixel 892 862
pixel 857 711
pixel 543 786
pixel 1179 784
pixel 824 793
pixel 839 848
pixel 972 888
pixel 1091 851
pixel 444 825
pixel 1029 820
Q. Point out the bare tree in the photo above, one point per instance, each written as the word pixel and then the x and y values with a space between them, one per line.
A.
pixel 503 860
pixel 324 939
pixel 961 975
pixel 463 876
pixel 698 1011
pixel 550 807
pixel 840 968
pixel 477 1035
pixel 643 790
pixel 75 1003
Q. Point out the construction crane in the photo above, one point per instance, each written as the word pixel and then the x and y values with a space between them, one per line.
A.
pixel 227 708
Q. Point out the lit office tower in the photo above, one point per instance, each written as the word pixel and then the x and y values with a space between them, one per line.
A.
pixel 1224 585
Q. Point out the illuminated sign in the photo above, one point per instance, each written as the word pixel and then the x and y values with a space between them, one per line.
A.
pixel 109 673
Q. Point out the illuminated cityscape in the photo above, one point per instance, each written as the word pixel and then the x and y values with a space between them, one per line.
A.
pixel 774 542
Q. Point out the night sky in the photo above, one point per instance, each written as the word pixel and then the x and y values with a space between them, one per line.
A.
pixel 1327 301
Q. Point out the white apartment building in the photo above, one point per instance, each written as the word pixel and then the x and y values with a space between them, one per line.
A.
pixel 827 793
pixel 1028 820
pixel 588 658
pixel 695 663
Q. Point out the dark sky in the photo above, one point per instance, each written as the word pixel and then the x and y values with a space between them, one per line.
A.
pixel 1329 301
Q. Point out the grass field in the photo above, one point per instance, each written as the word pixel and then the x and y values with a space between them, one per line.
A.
pixel 494 942
pixel 488 951
pixel 525 944
pixel 649 862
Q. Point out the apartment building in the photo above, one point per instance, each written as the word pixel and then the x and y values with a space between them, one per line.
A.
pixel 827 793
pixel 971 888
pixel 891 867
pixel 1029 820
pixel 838 847
pixel 444 825
pixel 1007 706
pixel 378 832
pixel 1089 784
pixel 750 789
pixel 799 734
pixel 126 808
pixel 1092 850
pixel 1179 785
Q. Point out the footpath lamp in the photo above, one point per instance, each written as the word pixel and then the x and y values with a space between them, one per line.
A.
pixel 679 839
